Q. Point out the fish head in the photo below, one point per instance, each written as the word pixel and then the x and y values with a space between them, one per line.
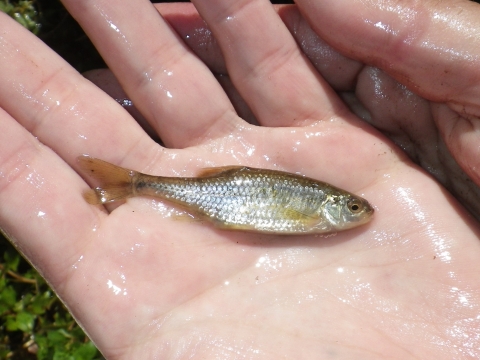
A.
pixel 346 211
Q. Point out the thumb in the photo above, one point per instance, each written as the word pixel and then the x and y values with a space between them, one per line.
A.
pixel 431 47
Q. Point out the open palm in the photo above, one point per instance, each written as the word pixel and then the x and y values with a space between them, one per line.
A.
pixel 145 284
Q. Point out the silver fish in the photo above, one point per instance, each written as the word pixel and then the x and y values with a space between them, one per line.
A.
pixel 238 197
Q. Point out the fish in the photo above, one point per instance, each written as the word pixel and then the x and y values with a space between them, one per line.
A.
pixel 237 197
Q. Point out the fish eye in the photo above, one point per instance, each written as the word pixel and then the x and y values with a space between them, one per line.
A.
pixel 355 206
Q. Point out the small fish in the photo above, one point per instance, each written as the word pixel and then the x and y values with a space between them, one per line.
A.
pixel 238 197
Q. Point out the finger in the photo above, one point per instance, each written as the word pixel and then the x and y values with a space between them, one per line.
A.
pixel 167 83
pixel 461 136
pixel 338 70
pixel 268 69
pixel 107 81
pixel 420 44
pixel 194 31
pixel 42 210
pixel 241 107
pixel 59 106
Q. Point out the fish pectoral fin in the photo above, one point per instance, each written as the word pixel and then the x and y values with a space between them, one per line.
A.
pixel 295 214
pixel 214 171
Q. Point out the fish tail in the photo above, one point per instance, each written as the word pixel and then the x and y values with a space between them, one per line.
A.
pixel 114 182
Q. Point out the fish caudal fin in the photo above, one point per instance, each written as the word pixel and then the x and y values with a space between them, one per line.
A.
pixel 114 182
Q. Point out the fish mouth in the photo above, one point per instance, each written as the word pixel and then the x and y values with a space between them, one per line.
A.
pixel 366 217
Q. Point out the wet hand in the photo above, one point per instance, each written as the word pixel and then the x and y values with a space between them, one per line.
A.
pixel 144 284
pixel 415 77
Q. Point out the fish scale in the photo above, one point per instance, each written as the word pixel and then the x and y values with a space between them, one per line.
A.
pixel 239 198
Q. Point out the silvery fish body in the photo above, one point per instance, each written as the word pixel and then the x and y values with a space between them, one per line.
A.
pixel 239 198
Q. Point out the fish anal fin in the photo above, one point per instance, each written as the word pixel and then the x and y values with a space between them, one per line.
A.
pixel 214 171
pixel 186 216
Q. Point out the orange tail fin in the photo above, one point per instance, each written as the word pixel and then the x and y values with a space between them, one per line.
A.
pixel 114 182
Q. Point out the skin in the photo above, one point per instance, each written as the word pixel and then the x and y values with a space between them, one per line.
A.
pixel 145 285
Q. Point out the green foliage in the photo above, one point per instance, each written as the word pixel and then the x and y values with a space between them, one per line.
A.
pixel 24 12
pixel 34 324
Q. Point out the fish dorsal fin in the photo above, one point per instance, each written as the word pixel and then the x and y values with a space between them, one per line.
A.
pixel 215 171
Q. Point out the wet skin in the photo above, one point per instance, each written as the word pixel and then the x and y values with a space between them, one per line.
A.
pixel 146 285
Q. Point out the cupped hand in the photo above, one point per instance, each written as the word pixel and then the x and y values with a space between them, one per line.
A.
pixel 145 284
pixel 417 78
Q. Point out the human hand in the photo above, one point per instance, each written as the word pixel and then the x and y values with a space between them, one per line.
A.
pixel 144 284
pixel 415 78
pixel 387 84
